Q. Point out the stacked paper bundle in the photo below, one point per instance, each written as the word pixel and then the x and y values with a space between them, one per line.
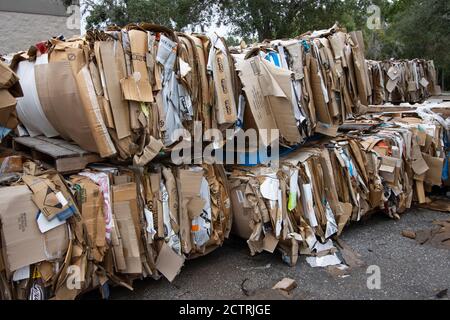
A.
pixel 130 93
pixel 62 237
pixel 398 81
pixel 316 191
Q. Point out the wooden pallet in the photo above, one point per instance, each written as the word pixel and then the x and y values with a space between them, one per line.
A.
pixel 64 156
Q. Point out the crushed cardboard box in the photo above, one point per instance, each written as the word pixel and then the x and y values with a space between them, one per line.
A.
pixel 318 190
pixel 398 81
pixel 124 224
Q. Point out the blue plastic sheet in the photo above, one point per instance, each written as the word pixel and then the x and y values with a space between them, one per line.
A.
pixel 445 170
pixel 4 132
pixel 274 58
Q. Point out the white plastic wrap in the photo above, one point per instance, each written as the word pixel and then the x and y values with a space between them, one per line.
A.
pixel 29 108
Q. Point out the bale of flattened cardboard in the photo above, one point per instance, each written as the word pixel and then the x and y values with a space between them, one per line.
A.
pixel 316 191
pixel 129 92
pixel 59 95
pixel 54 235
pixel 191 212
pixel 303 86
pixel 399 81
pixel 137 90
pixel 107 225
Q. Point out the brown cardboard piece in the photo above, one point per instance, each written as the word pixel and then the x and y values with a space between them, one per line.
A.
pixel 361 71
pixel 9 90
pixel 169 263
pixel 189 183
pixel 268 92
pixel 226 112
pixel 419 166
pixel 388 169
pixel 259 107
pixel 23 243
pixel 155 181
pixel 46 270
pixel 434 175
pixel 277 89
pixel 286 285
pixel 136 90
pixel 195 207
pixel 337 41
pixel 92 212
pixel 128 217
pixel 122 179
pixel 342 219
pixel 150 152
pixel 205 90
pixel 61 49
pixel 327 129
pixel 8 78
pixel 7 109
pixel 241 213
pixel 321 108
pixel 7 101
pixel 137 87
pixel 176 215
pixel 93 113
pixel 117 247
pixel 270 243
pixel 10 164
pixel 60 97
pixel 419 136
pixel 114 69
pixel 128 236
pixel 49 194
pixel 104 98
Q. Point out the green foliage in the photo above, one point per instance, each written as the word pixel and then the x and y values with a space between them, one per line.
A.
pixel 422 29
pixel 105 12
pixel 176 14
pixel 232 41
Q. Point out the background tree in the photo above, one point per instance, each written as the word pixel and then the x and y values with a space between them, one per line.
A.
pixel 171 13
pixel 269 19
pixel 411 28
pixel 421 28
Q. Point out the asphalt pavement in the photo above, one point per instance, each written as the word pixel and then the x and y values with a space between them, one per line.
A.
pixel 408 270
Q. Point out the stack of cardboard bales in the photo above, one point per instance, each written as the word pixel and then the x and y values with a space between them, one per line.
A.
pixel 129 93
pixel 316 82
pixel 123 94
pixel 316 191
pixel 140 89
pixel 10 89
pixel 398 81
pixel 304 86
